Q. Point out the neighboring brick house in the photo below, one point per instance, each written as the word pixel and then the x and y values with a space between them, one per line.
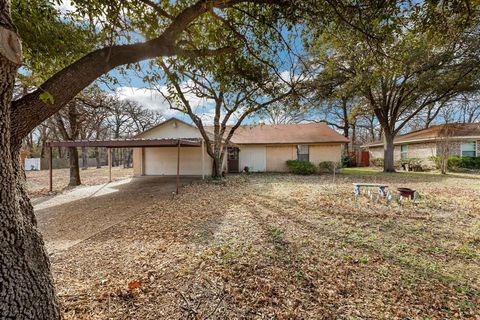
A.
pixel 456 139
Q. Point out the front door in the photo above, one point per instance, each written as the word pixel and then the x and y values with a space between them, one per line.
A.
pixel 232 159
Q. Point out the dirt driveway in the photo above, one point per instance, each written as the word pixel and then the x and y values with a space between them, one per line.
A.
pixel 69 218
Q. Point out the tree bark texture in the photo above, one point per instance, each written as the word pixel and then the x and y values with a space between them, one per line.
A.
pixel 26 284
pixel 84 158
pixel 388 152
pixel 74 167
pixel 97 158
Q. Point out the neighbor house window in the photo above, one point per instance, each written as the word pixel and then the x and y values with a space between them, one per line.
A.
pixel 468 149
pixel 404 152
pixel 302 152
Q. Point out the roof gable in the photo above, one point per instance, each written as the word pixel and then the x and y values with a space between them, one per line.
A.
pixel 172 128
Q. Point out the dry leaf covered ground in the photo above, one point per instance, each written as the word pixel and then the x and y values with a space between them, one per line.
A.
pixel 285 247
pixel 37 181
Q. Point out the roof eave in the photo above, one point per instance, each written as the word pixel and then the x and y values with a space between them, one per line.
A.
pixel 431 139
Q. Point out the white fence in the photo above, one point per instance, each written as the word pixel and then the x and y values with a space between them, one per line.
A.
pixel 32 164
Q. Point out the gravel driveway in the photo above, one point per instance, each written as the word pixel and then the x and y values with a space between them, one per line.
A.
pixel 71 217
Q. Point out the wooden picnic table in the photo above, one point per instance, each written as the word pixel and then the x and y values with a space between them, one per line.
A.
pixel 381 188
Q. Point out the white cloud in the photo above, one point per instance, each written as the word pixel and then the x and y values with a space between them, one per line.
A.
pixel 152 99
pixel 66 6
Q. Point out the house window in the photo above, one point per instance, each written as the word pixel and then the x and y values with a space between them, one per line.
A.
pixel 404 152
pixel 302 152
pixel 468 149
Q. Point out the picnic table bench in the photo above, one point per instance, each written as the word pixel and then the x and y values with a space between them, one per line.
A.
pixel 381 188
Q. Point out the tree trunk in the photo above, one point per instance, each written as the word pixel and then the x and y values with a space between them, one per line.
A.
pixel 97 157
pixel 217 168
pixel 388 152
pixel 346 124
pixel 26 284
pixel 74 167
pixel 84 158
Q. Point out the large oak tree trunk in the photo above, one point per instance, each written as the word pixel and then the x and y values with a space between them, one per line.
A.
pixel 74 167
pixel 388 152
pixel 26 284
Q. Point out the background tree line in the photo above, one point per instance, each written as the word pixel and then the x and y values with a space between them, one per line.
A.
pixel 92 115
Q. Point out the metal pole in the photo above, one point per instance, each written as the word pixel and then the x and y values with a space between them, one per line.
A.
pixel 178 164
pixel 50 168
pixel 203 159
pixel 109 164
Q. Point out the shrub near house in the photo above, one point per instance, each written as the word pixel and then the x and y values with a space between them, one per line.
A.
pixel 456 163
pixel 301 167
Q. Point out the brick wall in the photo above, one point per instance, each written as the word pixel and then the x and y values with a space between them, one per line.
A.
pixel 455 148
pixel 417 150
pixel 421 150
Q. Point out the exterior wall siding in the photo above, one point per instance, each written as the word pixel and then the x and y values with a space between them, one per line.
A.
pixel 455 148
pixel 253 157
pixel 137 162
pixel 163 161
pixel 320 153
pixel 422 150
pixel 277 156
pixel 375 152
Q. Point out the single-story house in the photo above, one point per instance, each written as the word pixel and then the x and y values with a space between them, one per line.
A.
pixel 261 148
pixel 454 139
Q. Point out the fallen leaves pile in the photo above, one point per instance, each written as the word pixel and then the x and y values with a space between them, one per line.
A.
pixel 284 247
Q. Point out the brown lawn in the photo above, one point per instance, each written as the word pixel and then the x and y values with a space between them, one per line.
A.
pixel 285 247
pixel 37 181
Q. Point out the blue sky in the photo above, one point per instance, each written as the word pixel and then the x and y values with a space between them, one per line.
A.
pixel 131 85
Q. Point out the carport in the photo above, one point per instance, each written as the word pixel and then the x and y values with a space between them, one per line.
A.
pixel 126 143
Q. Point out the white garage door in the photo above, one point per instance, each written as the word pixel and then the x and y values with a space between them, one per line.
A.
pixel 253 157
pixel 163 161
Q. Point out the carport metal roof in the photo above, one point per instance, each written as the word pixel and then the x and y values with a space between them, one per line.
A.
pixel 126 143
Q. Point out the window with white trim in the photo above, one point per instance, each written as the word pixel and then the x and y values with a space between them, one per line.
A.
pixel 468 149
pixel 303 152
pixel 404 152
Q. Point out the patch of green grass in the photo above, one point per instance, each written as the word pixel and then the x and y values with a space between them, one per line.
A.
pixel 363 260
pixel 469 291
pixel 465 305
pixel 298 275
pixel 276 234
pixel 360 171
pixel 467 252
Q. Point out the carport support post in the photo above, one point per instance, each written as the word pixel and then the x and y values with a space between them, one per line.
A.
pixel 203 159
pixel 50 168
pixel 109 164
pixel 178 164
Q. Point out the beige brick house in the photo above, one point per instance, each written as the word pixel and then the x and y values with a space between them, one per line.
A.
pixel 261 148
pixel 454 139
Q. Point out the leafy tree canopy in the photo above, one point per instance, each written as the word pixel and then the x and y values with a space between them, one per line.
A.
pixel 50 41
